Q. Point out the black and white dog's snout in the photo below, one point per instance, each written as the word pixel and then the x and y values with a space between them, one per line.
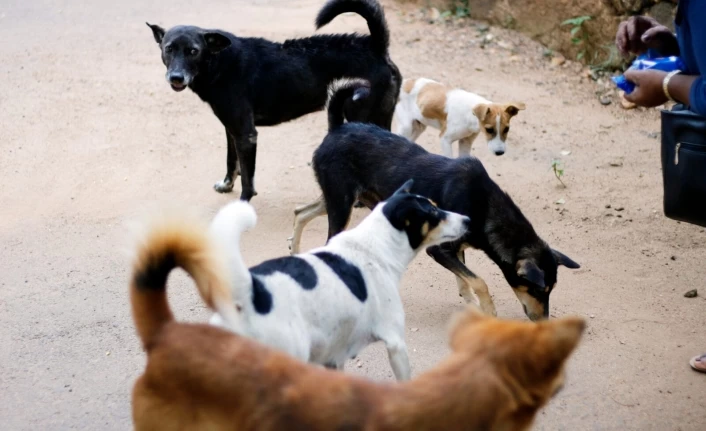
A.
pixel 455 227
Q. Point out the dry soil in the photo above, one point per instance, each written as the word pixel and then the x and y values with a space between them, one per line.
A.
pixel 92 137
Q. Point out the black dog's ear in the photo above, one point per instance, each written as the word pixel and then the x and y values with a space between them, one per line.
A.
pixel 157 31
pixel 216 42
pixel 529 271
pixel 565 260
pixel 406 187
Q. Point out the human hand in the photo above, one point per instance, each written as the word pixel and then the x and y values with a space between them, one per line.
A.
pixel 640 33
pixel 648 90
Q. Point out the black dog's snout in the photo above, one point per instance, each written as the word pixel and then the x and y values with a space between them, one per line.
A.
pixel 176 78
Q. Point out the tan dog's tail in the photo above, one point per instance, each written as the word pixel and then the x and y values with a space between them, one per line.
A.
pixel 172 242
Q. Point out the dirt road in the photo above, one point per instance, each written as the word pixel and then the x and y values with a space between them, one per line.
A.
pixel 92 137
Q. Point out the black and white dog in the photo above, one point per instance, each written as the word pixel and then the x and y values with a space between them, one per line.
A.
pixel 362 162
pixel 251 82
pixel 325 306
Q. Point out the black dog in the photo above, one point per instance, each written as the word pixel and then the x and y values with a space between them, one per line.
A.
pixel 364 162
pixel 253 82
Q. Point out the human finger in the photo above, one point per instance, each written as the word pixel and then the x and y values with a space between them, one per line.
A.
pixel 633 76
pixel 632 36
pixel 621 37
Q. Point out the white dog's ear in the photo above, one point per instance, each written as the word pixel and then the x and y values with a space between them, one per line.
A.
pixel 406 188
pixel 514 108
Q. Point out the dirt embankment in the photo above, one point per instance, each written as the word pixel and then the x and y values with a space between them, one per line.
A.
pixel 579 29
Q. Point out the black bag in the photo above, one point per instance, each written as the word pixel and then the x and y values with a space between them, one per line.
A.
pixel 684 165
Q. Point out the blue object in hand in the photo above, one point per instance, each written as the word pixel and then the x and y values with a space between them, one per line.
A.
pixel 648 61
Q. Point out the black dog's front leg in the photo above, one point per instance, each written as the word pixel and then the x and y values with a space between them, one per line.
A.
pixel 232 167
pixel 246 148
pixel 246 145
pixel 470 286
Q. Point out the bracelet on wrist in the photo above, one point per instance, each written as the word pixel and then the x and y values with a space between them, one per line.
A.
pixel 665 84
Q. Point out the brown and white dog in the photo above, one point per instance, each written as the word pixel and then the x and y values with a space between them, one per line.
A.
pixel 200 377
pixel 458 114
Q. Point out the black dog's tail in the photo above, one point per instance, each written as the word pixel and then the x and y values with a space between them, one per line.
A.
pixel 370 10
pixel 342 94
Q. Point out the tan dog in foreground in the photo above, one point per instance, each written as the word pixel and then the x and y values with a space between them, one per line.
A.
pixel 200 377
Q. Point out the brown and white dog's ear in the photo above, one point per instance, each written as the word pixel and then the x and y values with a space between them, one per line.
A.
pixel 514 108
pixel 480 111
pixel 157 32
pixel 566 334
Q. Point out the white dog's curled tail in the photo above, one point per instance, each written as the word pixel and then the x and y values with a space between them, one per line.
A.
pixel 227 227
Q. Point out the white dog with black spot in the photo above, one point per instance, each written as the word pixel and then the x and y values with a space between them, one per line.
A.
pixel 326 305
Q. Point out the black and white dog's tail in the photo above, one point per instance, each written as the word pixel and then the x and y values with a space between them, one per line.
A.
pixel 344 95
pixel 227 227
pixel 370 10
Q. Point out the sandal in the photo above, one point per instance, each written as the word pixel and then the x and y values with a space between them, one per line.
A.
pixel 698 363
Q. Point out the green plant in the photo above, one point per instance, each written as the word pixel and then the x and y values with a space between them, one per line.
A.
pixel 558 168
pixel 463 10
pixel 579 35
pixel 509 22
pixel 460 9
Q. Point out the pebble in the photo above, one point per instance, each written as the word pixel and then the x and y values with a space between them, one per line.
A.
pixel 415 329
pixel 359 365
pixel 605 100
pixel 607 206
pixel 616 164
pixel 691 294
pixel 592 316
pixel 619 208
pixel 434 15
pixel 558 60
